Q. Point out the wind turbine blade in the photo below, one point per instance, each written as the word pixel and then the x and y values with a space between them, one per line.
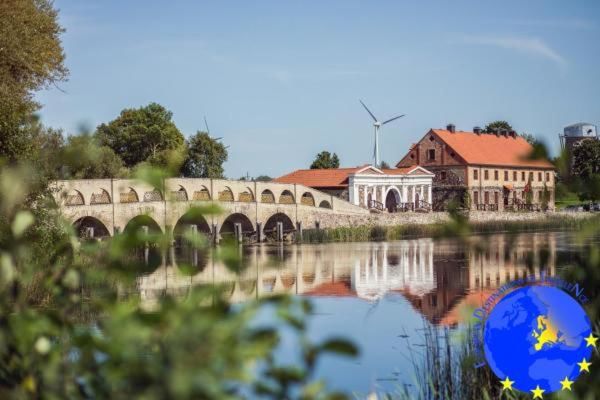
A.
pixel 392 119
pixel 369 111
pixel 206 124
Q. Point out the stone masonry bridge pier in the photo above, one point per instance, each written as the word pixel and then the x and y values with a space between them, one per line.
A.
pixel 250 210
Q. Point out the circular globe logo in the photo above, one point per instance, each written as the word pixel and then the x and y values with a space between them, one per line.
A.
pixel 538 339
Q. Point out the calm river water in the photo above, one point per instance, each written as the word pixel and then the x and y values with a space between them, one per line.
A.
pixel 380 295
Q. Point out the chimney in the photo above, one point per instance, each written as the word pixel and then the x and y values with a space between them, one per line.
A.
pixel 477 130
pixel 451 128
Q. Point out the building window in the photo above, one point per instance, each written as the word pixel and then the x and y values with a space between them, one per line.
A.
pixel 486 174
pixel 539 176
pixel 443 175
pixel 547 177
pixel 540 195
pixel 475 174
pixel 496 198
pixel 496 175
pixel 523 176
pixel 486 197
pixel 431 138
pixel 531 176
pixel 505 175
pixel 476 197
pixel 431 154
pixel 515 176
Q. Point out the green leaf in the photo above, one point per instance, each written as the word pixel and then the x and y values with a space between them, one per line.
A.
pixel 22 221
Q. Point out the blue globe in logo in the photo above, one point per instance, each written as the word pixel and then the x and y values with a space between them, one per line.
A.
pixel 535 336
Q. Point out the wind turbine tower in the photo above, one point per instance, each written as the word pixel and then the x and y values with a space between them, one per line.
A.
pixel 378 126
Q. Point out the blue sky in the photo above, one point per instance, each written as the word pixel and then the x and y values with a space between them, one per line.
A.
pixel 280 80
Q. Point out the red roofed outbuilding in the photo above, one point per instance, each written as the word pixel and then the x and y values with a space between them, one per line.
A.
pixel 485 171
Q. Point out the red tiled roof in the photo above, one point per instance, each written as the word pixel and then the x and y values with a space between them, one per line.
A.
pixel 331 178
pixel 490 149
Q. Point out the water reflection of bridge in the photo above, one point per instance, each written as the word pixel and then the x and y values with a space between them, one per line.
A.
pixel 437 278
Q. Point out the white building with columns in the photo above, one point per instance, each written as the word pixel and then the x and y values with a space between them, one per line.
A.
pixel 389 189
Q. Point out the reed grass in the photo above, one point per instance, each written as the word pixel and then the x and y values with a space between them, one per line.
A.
pixel 365 233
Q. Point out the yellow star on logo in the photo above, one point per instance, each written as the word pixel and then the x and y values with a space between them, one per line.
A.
pixel 566 383
pixel 584 365
pixel 537 392
pixel 507 384
pixel 591 340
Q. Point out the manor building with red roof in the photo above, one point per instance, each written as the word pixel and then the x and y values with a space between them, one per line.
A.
pixel 483 171
pixel 391 189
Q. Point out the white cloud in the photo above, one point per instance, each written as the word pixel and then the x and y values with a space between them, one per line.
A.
pixel 532 46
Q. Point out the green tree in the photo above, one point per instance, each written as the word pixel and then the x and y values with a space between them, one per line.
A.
pixel 83 158
pixel 384 165
pixel 529 138
pixel 31 58
pixel 141 134
pixel 325 160
pixel 263 178
pixel 586 159
pixel 493 126
pixel 205 157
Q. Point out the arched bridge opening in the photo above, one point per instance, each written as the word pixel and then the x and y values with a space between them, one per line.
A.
pixel 90 228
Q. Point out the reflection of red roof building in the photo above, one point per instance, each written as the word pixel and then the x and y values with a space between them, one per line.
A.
pixel 337 289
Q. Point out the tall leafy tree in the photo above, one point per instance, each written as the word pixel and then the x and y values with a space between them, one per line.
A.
pixel 31 58
pixel 586 159
pixel 83 158
pixel 141 134
pixel 493 126
pixel 205 157
pixel 325 160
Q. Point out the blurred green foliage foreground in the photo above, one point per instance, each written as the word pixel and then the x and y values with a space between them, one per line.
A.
pixel 68 332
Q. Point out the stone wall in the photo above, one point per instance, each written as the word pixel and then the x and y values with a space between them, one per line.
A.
pixel 333 221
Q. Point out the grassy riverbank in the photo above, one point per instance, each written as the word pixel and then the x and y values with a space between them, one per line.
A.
pixel 366 233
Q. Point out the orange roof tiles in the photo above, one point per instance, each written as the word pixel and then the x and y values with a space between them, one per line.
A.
pixel 333 178
pixel 490 149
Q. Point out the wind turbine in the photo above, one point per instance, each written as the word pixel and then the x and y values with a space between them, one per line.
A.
pixel 377 126
pixel 208 132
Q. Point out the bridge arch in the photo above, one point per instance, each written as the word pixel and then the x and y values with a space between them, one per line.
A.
pixel 202 194
pixel 153 195
pixel 130 196
pixel 307 199
pixel 100 197
pixel 90 227
pixel 226 194
pixel 270 228
pixel 286 197
pixel 267 197
pixel 138 222
pixel 185 251
pixel 228 225
pixel 247 196
pixel 325 204
pixel 74 198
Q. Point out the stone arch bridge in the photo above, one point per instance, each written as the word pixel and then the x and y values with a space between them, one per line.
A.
pixel 251 210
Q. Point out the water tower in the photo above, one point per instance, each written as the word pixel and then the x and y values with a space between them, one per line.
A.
pixel 573 135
